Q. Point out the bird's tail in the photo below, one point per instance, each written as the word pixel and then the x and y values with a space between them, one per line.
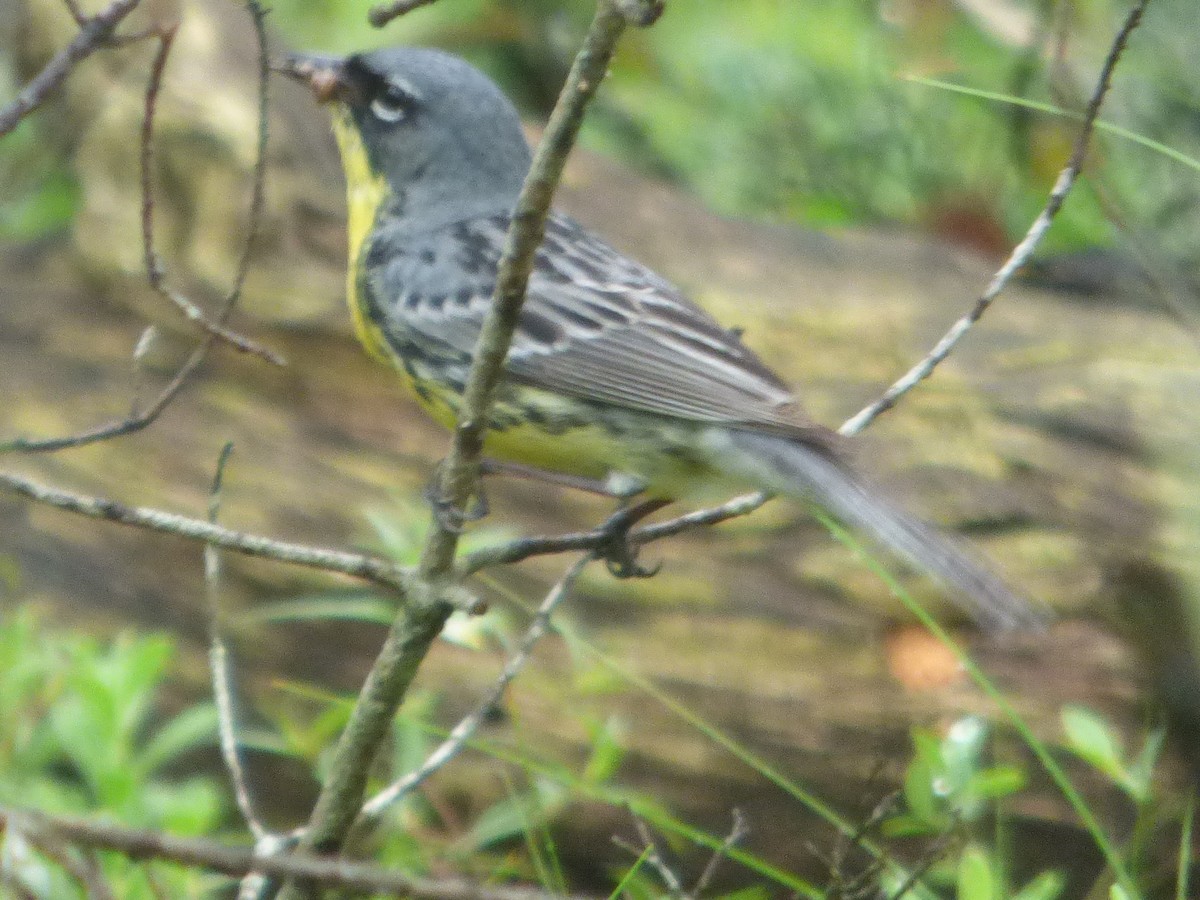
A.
pixel 787 467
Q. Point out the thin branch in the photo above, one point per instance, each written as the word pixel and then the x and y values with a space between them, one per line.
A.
pixel 466 728
pixel 220 669
pixel 523 548
pixel 119 427
pixel 1022 253
pixel 380 15
pixel 418 624
pixel 82 868
pixel 374 569
pixel 460 471
pixel 76 12
pixel 136 421
pixel 737 834
pixel 650 856
pixel 155 273
pixel 235 861
pixel 91 37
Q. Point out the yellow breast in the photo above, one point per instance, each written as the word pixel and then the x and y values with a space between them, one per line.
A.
pixel 366 192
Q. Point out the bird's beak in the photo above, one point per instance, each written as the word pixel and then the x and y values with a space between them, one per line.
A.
pixel 325 76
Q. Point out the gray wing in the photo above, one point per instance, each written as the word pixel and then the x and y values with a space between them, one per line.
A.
pixel 596 325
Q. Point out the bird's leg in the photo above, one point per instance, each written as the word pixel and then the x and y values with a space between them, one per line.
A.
pixel 489 466
pixel 619 555
pixel 448 515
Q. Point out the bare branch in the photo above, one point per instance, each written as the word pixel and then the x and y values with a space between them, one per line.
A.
pixel 380 15
pixel 92 36
pixel 737 834
pixel 82 867
pixel 154 268
pixel 466 728
pixel 524 548
pixel 117 428
pixel 419 624
pixel 218 661
pixel 1022 253
pixel 650 856
pixel 356 565
pixel 235 861
pixel 76 12
pixel 136 421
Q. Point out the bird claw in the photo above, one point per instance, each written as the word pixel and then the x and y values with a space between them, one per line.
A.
pixel 619 555
pixel 447 513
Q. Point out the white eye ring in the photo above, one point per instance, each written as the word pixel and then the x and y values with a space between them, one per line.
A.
pixel 389 107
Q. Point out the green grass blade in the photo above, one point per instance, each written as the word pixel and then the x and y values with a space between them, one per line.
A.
pixel 1050 109
pixel 1185 850
pixel 1053 769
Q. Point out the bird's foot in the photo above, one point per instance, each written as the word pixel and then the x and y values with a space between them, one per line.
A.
pixel 618 553
pixel 447 512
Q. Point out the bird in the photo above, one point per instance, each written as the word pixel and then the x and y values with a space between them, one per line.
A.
pixel 613 374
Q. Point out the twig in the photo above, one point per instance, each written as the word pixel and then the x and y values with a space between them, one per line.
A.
pixel 154 268
pixel 649 853
pixel 380 15
pixel 76 12
pixel 117 428
pixel 1022 252
pixel 460 472
pixel 83 869
pixel 466 728
pixel 374 569
pixel 736 835
pixel 218 658
pixel 524 548
pixel 91 37
pixel 419 623
pixel 137 421
pixel 235 861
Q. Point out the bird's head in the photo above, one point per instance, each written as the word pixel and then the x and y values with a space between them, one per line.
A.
pixel 438 132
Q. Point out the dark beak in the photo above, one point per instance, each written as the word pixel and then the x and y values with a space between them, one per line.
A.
pixel 325 76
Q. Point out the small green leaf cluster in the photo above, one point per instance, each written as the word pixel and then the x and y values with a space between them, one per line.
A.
pixel 84 731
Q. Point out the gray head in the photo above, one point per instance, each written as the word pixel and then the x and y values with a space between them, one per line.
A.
pixel 441 132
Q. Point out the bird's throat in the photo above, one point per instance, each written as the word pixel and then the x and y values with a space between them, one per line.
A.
pixel 366 192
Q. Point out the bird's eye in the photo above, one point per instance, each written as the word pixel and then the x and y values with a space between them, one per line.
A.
pixel 391 104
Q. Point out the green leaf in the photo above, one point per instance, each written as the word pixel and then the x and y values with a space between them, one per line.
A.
pixel 192 728
pixel 1140 774
pixel 344 606
pixel 997 782
pixel 515 815
pixel 1090 737
pixel 919 794
pixel 976 880
pixel 608 749
pixel 962 746
pixel 1046 886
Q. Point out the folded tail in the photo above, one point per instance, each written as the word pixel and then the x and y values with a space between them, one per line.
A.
pixel 787 467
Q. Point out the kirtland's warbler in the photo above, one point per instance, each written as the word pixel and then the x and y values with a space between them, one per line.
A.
pixel 613 372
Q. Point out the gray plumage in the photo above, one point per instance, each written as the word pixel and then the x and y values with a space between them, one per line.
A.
pixel 597 326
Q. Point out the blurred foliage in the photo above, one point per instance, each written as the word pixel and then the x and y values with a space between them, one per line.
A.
pixel 83 731
pixel 41 195
pixel 953 790
pixel 800 110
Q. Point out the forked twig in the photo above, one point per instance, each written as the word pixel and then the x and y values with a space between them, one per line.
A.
pixel 469 724
pixel 93 34
pixel 138 420
pixel 1022 252
pixel 155 273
